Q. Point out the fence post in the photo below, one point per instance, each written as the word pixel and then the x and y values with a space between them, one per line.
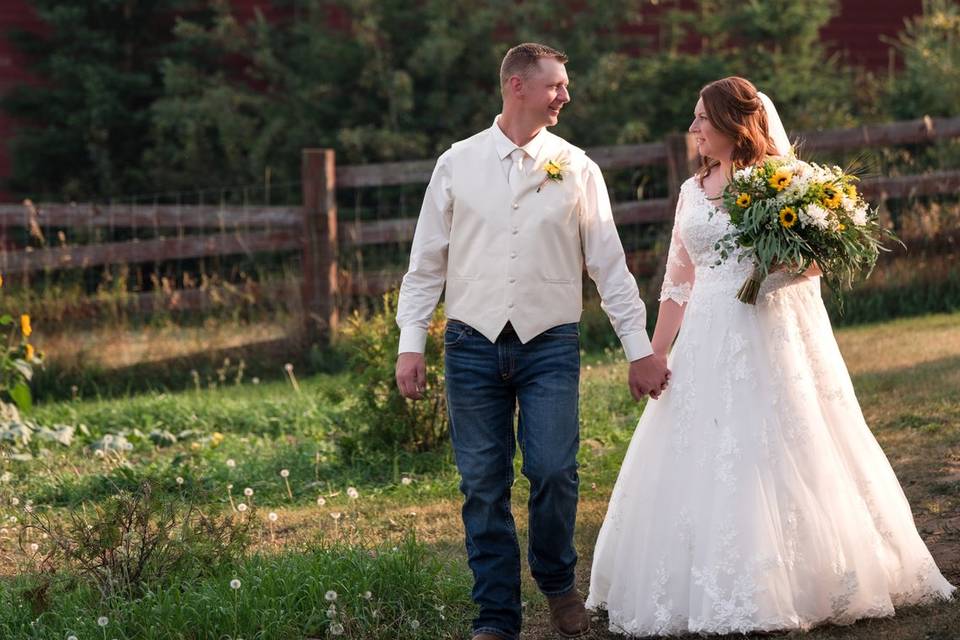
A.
pixel 683 159
pixel 320 289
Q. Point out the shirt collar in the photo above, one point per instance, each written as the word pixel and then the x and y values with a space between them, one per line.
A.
pixel 505 146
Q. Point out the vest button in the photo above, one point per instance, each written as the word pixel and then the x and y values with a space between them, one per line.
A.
pixel 516 205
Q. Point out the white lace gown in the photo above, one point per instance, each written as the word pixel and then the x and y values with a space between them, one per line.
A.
pixel 753 495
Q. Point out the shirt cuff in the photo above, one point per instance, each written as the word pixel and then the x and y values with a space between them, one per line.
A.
pixel 636 346
pixel 412 340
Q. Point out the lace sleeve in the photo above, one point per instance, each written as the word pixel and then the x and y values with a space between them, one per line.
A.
pixel 678 280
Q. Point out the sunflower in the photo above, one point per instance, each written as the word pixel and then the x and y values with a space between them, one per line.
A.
pixel 851 190
pixel 781 179
pixel 831 198
pixel 788 217
pixel 743 200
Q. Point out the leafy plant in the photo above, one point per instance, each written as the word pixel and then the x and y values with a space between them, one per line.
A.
pixel 381 418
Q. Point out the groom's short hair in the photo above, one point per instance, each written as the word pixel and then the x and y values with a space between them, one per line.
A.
pixel 523 58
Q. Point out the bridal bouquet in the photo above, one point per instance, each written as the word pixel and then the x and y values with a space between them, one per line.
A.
pixel 786 212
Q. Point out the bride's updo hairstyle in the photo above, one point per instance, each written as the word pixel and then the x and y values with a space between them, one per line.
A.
pixel 736 111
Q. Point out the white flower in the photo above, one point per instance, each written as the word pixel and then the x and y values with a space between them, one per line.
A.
pixel 234 584
pixel 103 621
pixel 284 473
pixel 231 463
pixel 272 516
pixel 336 629
pixel 241 507
pixel 859 215
pixel 14 501
pixel 248 492
pixel 6 477
pixel 179 480
pixel 814 215
pixel 405 481
pixel 321 501
pixel 330 596
pixel 352 493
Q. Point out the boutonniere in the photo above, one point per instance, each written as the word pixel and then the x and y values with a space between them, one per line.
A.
pixel 554 169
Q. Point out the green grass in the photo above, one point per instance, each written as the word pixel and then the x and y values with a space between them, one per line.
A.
pixel 906 373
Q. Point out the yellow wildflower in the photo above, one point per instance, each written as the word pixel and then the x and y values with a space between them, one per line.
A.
pixel 788 217
pixel 743 200
pixel 194 446
pixel 216 438
pixel 29 352
pixel 781 179
pixel 25 327
pixel 842 227
pixel 1 281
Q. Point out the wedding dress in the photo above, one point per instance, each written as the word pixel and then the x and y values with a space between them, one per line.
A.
pixel 753 495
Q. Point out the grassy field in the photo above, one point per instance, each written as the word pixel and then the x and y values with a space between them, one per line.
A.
pixel 383 532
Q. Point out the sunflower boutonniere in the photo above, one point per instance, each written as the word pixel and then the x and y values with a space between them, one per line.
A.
pixel 554 168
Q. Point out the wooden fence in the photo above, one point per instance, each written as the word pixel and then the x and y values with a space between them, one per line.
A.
pixel 313 230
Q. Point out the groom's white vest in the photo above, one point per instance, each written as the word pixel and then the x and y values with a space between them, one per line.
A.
pixel 515 253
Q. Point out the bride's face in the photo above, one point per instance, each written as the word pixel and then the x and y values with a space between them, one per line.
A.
pixel 710 142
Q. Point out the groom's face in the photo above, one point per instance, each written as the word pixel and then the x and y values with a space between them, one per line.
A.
pixel 545 91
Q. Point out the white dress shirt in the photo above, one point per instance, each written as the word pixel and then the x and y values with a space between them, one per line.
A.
pixel 516 252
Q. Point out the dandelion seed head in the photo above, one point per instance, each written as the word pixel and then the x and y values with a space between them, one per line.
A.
pixel 241 507
pixel 405 481
pixel 330 596
pixel 352 493
pixel 321 501
pixel 367 595
pixel 103 621
pixel 332 612
pixel 235 584
pixel 179 479
pixel 229 486
pixel 99 453
pixel 284 473
pixel 335 515
pixel 272 516
pixel 414 624
pixel 231 463
pixel 288 367
pixel 6 476
pixel 336 629
pixel 255 380
pixel 14 501
pixel 248 492
pixel 71 637
pixel 34 547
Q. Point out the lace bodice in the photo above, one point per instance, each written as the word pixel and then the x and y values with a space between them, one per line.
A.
pixel 693 257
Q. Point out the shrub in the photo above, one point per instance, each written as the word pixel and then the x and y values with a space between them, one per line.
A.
pixel 380 418
pixel 138 538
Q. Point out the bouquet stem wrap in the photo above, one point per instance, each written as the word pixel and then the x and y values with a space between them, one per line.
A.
pixel 751 287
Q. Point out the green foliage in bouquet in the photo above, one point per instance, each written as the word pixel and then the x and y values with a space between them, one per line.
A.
pixel 789 214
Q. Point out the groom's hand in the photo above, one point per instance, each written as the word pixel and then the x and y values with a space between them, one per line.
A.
pixel 411 375
pixel 648 376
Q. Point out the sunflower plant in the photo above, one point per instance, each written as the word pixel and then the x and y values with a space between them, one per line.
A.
pixel 788 212
pixel 17 361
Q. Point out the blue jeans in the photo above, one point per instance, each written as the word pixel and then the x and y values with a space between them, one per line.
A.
pixel 485 382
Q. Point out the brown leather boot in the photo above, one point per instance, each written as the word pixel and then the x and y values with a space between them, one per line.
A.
pixel 568 615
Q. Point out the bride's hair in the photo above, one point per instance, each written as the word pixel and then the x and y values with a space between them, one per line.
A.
pixel 736 111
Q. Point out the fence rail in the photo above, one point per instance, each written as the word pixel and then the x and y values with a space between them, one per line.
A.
pixel 314 231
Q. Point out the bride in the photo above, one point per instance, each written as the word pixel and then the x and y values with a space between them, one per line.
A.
pixel 753 496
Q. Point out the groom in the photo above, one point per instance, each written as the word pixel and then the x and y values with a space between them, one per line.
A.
pixel 509 219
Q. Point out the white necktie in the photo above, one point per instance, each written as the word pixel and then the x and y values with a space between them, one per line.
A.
pixel 517 157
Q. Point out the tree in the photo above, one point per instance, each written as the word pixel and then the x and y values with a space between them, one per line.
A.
pixel 86 119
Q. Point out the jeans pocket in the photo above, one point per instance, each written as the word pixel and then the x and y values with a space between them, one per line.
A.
pixel 569 331
pixel 454 334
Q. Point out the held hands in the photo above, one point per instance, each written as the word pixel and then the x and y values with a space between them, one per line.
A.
pixel 411 375
pixel 648 376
